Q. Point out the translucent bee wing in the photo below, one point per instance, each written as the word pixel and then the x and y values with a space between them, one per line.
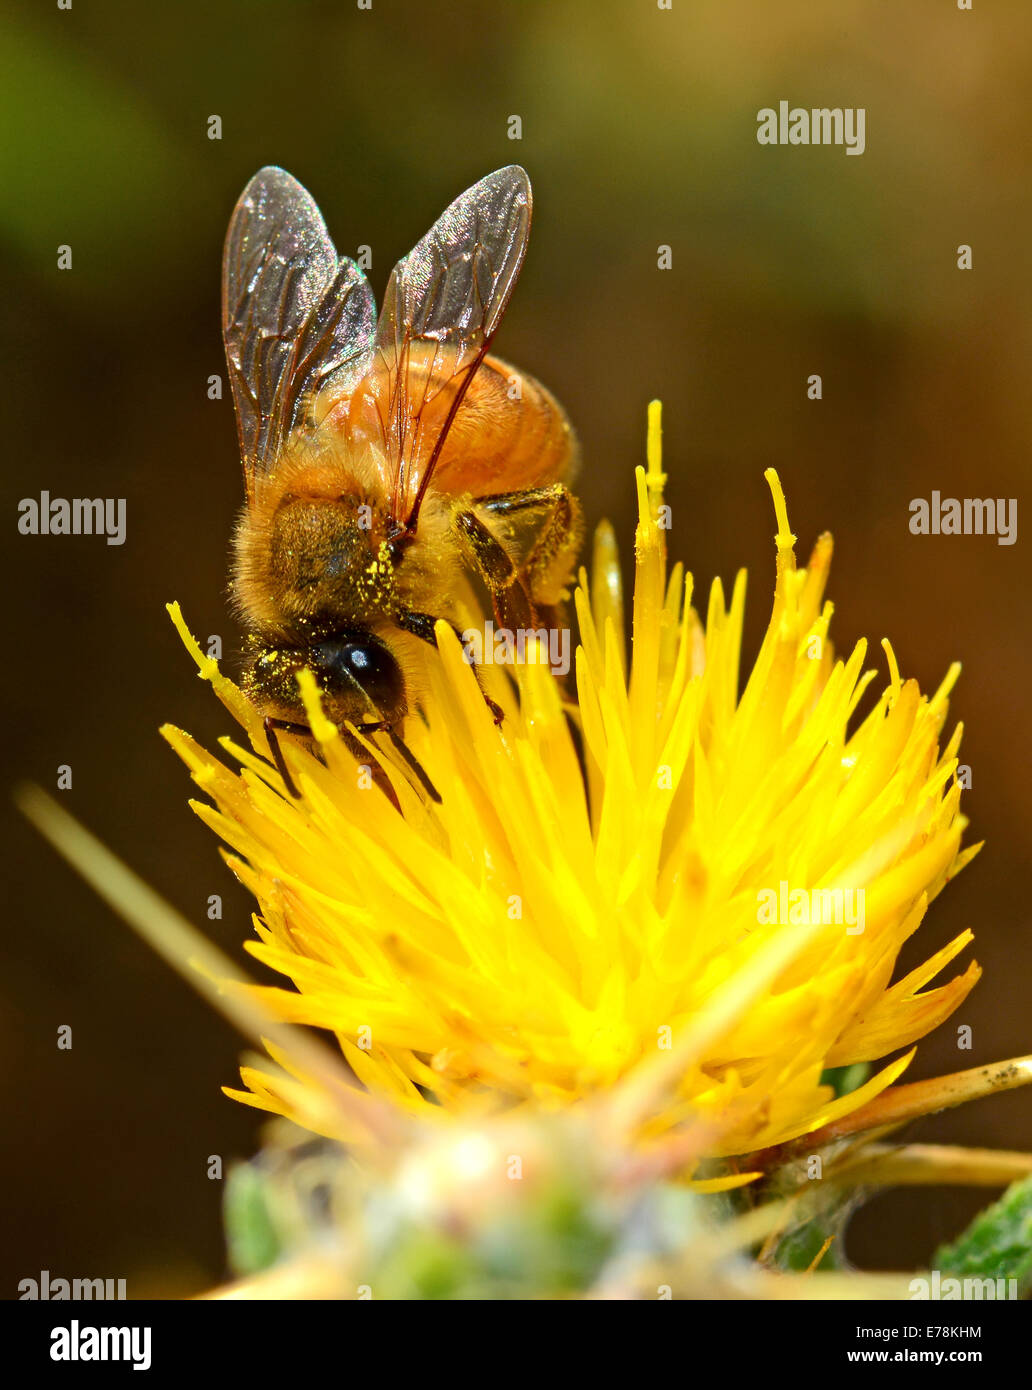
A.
pixel 295 316
pixel 443 304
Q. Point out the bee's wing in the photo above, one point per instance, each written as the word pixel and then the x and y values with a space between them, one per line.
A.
pixel 294 315
pixel 444 301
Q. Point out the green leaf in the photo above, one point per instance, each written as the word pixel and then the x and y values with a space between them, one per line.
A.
pixel 846 1079
pixel 998 1243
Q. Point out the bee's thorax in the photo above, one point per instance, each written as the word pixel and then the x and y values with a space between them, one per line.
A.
pixel 316 563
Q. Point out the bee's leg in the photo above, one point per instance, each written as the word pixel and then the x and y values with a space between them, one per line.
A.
pixel 552 516
pixel 419 624
pixel 422 625
pixel 545 526
pixel 272 727
pixel 403 750
pixel 509 597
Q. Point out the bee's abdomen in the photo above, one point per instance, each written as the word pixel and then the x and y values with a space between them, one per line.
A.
pixel 509 434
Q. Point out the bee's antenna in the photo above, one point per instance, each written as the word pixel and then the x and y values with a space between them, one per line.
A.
pixel 270 726
pixel 415 765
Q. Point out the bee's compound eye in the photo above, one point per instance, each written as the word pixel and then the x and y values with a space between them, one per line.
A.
pixel 346 662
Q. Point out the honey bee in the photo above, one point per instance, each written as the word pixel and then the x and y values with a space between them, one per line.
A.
pixel 384 457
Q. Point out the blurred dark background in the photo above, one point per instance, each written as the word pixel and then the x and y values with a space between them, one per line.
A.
pixel 638 130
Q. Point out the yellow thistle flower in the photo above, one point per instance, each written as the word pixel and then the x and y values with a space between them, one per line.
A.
pixel 557 922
